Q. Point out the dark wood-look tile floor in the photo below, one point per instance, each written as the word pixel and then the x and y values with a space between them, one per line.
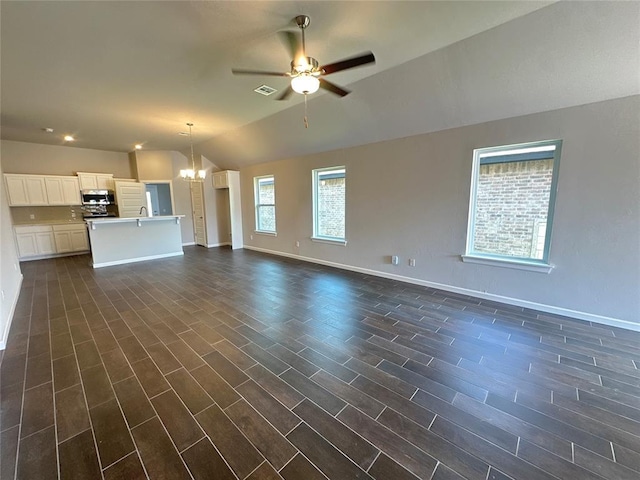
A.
pixel 238 365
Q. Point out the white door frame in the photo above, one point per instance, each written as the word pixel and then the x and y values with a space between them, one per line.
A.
pixel 170 182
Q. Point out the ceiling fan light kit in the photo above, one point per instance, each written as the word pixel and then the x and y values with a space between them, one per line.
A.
pixel 305 84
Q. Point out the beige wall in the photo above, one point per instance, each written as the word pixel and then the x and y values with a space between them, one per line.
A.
pixel 152 165
pixel 410 197
pixel 182 197
pixel 33 158
pixel 10 273
pixel 22 215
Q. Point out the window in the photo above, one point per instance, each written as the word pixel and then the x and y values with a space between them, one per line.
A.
pixel 265 195
pixel 329 193
pixel 512 198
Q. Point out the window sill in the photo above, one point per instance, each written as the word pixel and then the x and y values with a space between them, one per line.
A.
pixel 517 264
pixel 269 234
pixel 331 241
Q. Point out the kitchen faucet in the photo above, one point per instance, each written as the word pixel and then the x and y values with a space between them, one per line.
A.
pixel 143 208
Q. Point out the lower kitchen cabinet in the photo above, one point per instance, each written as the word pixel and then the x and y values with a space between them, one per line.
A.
pixel 70 238
pixel 37 241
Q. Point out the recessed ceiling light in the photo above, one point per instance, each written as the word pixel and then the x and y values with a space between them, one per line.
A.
pixel 68 138
pixel 47 129
pixel 183 134
pixel 138 147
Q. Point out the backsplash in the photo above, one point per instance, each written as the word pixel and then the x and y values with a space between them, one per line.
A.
pixel 22 215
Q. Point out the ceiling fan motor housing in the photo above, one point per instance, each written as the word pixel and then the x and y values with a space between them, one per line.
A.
pixel 310 65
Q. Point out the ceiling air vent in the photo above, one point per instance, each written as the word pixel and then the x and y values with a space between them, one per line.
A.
pixel 265 90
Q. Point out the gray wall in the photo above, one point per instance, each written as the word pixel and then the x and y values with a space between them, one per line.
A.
pixel 10 273
pixel 410 197
pixel 33 158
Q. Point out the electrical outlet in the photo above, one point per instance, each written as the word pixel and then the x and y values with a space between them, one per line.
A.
pixel 395 260
pixel 297 244
pixel 412 262
pixel 251 236
pixel 32 217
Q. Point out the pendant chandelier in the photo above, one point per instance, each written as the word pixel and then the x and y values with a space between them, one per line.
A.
pixel 191 174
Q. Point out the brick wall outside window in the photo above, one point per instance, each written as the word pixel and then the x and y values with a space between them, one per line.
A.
pixel 331 205
pixel 267 214
pixel 512 203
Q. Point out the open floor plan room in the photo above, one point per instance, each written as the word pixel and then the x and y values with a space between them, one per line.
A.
pixel 229 364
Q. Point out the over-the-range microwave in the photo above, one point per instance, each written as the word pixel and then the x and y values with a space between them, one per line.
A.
pixel 98 197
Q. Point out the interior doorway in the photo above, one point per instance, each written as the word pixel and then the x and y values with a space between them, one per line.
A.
pixel 159 198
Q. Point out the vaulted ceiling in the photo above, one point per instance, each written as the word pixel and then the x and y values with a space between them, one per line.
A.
pixel 114 74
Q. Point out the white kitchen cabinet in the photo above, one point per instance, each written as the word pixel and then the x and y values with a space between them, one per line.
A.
pixel 221 179
pixel 95 181
pixel 88 181
pixel 70 238
pixel 105 182
pixel 24 190
pixel 46 243
pixel 35 240
pixel 62 190
pixel 31 190
pixel 27 246
pixel 131 197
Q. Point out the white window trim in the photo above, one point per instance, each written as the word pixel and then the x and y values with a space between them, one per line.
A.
pixel 532 265
pixel 319 238
pixel 256 196
pixel 329 240
pixel 265 232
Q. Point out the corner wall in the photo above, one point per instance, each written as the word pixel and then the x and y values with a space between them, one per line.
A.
pixel 10 273
pixel 410 197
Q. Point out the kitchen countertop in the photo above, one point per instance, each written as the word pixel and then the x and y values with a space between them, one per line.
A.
pixel 34 223
pixel 131 219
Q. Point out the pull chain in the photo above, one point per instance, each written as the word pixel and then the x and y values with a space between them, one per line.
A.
pixel 306 121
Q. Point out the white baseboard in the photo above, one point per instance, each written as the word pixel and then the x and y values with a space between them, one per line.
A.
pixel 224 244
pixel 137 259
pixel 188 244
pixel 589 317
pixel 14 304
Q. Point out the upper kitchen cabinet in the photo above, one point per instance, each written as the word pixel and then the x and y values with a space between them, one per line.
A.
pixel 131 197
pixel 221 179
pixel 96 181
pixel 62 190
pixel 26 190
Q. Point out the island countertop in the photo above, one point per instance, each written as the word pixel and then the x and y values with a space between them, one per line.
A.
pixel 92 222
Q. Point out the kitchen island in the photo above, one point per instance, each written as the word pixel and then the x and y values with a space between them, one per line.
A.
pixel 116 241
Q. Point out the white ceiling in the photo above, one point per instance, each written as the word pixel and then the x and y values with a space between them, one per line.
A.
pixel 119 73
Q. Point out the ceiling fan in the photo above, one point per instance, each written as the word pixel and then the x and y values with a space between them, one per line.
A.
pixel 306 75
